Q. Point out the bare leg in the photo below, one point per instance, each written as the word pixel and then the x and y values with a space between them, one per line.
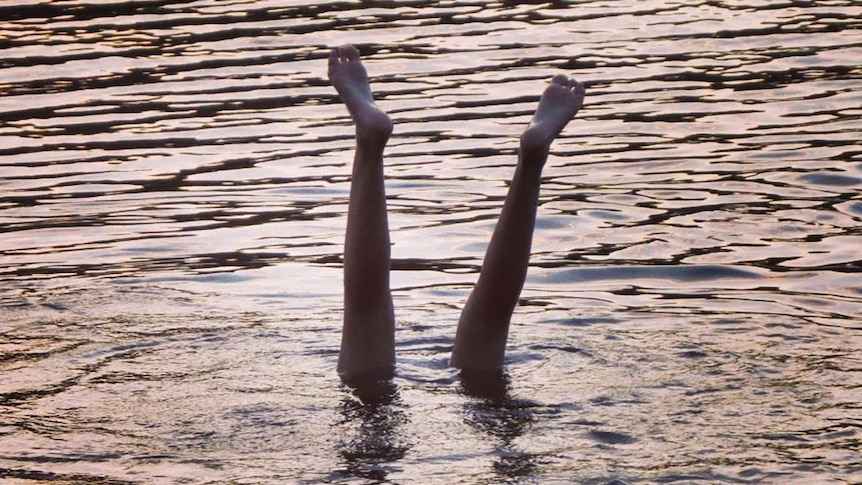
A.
pixel 480 342
pixel 367 340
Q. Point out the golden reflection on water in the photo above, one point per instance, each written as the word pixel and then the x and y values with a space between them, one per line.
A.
pixel 173 183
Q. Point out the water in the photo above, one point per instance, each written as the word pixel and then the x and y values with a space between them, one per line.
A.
pixel 173 187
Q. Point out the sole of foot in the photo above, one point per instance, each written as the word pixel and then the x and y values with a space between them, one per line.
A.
pixel 348 75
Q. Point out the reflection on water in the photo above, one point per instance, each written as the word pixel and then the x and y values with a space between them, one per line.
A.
pixel 173 188
pixel 492 411
pixel 373 406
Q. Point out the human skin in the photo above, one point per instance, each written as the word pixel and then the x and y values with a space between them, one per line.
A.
pixel 483 328
pixel 368 343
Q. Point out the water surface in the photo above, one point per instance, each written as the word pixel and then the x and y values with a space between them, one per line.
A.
pixel 173 192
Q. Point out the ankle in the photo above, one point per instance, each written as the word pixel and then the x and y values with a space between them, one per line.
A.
pixel 533 157
pixel 373 130
pixel 535 142
pixel 371 145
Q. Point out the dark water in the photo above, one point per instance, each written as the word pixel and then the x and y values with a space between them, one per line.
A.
pixel 173 187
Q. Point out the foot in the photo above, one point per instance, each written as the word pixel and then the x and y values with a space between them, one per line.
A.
pixel 560 102
pixel 350 79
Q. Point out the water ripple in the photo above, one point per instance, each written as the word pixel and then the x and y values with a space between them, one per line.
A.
pixel 173 187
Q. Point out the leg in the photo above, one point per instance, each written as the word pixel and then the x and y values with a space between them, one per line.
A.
pixel 483 328
pixel 367 340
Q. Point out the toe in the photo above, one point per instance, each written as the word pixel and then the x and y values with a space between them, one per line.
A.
pixel 342 53
pixel 350 52
pixel 579 89
pixel 333 63
pixel 560 79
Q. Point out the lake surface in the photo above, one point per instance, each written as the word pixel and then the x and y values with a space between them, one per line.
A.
pixel 173 192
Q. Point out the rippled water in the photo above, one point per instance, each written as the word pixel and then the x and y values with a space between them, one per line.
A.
pixel 173 187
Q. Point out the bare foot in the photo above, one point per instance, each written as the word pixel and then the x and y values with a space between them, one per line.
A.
pixel 560 102
pixel 350 79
